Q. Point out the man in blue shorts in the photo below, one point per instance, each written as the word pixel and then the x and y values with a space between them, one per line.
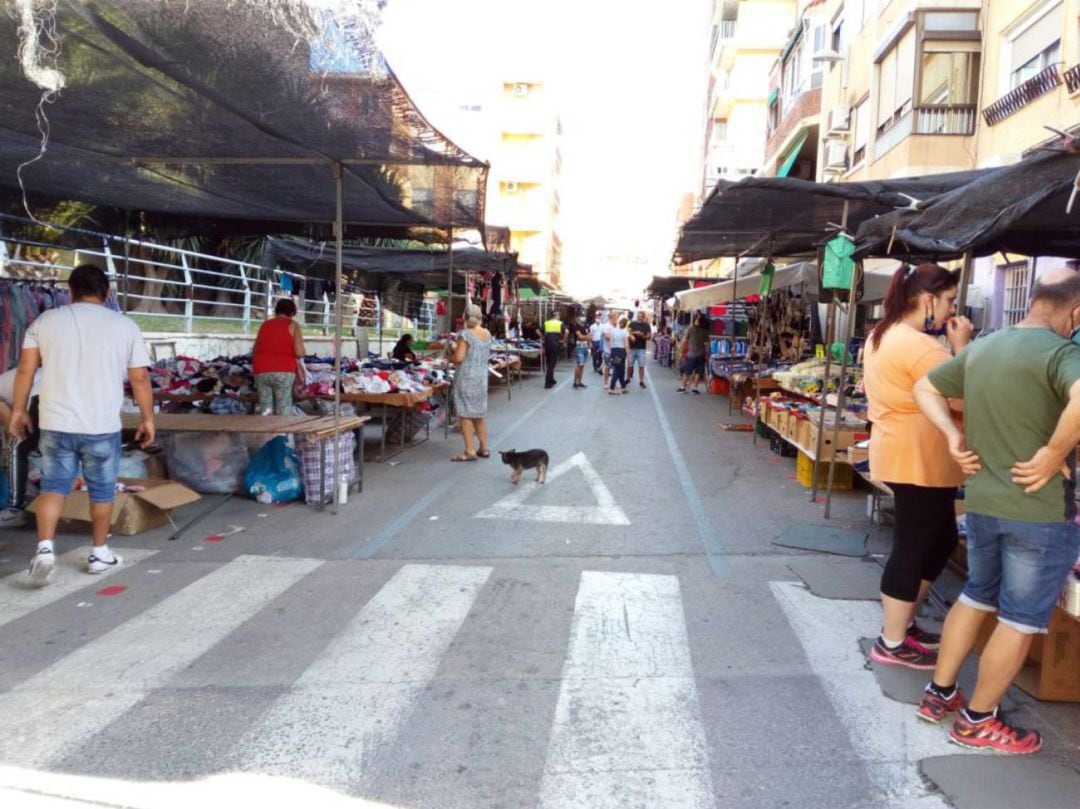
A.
pixel 85 352
pixel 1021 392
pixel 640 335
pixel 695 341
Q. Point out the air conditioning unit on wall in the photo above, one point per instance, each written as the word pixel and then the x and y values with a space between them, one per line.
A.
pixel 512 188
pixel 836 155
pixel 521 89
pixel 840 119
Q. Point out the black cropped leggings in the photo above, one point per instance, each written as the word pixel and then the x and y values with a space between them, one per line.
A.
pixel 923 539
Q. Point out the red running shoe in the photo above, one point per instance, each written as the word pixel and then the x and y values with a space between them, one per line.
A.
pixel 910 654
pixel 933 708
pixel 931 640
pixel 995 735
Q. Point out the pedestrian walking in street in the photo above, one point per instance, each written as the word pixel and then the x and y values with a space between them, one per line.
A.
pixel 277 359
pixel 910 455
pixel 1021 392
pixel 581 351
pixel 14 513
pixel 640 336
pixel 694 343
pixel 470 353
pixel 554 339
pixel 596 340
pixel 85 351
pixel 620 341
pixel 608 333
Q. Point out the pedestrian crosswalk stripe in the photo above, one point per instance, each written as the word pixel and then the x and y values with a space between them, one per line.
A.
pixel 883 732
pixel 19 598
pixel 354 698
pixel 627 727
pixel 605 512
pixel 80 694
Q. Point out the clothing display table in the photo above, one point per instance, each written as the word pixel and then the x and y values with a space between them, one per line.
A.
pixel 406 403
pixel 319 428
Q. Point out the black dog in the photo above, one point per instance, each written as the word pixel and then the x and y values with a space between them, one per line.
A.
pixel 530 459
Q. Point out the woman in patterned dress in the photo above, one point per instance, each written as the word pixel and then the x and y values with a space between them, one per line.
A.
pixel 471 352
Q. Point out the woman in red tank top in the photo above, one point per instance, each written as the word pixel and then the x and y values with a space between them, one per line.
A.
pixel 279 348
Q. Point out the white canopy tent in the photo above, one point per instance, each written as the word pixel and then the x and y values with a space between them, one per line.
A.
pixel 802 272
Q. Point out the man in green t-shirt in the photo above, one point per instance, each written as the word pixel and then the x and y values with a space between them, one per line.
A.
pixel 1021 392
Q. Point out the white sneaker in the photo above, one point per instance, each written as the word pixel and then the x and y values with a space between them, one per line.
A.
pixel 95 565
pixel 12 518
pixel 42 565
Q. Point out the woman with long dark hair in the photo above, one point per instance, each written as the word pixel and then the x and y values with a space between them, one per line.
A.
pixel 910 455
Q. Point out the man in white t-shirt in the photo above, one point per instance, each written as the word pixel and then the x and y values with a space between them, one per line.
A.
pixel 596 340
pixel 85 351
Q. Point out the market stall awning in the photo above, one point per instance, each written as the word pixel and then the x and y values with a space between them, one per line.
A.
pixel 1018 209
pixel 201 111
pixel 793 154
pixel 371 267
pixel 803 272
pixel 784 217
pixel 664 286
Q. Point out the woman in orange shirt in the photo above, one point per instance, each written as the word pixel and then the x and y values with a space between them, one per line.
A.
pixel 910 455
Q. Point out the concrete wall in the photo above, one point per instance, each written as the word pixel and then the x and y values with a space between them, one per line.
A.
pixel 208 346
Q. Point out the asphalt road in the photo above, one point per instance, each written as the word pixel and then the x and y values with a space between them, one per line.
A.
pixel 626 635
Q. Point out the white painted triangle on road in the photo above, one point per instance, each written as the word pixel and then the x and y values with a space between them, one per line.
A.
pixel 605 512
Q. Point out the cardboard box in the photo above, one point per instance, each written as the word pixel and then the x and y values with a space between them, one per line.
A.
pixel 845 437
pixel 133 512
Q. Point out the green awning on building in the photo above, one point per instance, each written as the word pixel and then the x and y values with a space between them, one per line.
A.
pixel 772 97
pixel 526 294
pixel 793 155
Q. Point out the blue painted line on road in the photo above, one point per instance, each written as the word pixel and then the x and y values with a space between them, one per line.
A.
pixel 713 547
pixel 369 547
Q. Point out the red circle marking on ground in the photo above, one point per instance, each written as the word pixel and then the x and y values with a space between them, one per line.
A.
pixel 214 538
pixel 112 590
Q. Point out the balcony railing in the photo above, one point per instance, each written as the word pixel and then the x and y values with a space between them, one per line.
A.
pixel 1040 84
pixel 1072 78
pixel 892 132
pixel 726 29
pixel 945 119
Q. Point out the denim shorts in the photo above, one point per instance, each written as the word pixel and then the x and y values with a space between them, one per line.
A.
pixel 693 365
pixel 63 453
pixel 581 354
pixel 1018 568
pixel 637 357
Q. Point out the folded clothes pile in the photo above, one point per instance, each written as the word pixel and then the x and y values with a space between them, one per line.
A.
pixel 232 377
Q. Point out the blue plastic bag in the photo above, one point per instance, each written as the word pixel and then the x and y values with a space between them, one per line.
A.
pixel 274 473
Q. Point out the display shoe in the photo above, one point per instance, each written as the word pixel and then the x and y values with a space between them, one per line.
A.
pixel 932 708
pixel 931 640
pixel 909 654
pixel 42 565
pixel 96 565
pixel 996 735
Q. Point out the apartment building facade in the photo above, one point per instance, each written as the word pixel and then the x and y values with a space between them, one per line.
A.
pixel 922 87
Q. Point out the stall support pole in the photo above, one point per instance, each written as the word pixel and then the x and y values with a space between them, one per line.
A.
pixel 830 324
pixel 734 333
pixel 450 324
pixel 965 281
pixel 127 259
pixel 339 228
pixel 841 399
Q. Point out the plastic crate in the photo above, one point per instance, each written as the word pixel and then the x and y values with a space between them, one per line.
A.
pixel 843 480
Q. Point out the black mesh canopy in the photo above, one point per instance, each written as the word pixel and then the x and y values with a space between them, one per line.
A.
pixel 782 216
pixel 1019 208
pixel 664 286
pixel 373 267
pixel 205 109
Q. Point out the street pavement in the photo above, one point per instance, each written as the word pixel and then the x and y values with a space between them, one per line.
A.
pixel 626 635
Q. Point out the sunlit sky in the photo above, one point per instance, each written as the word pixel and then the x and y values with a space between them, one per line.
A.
pixel 629 80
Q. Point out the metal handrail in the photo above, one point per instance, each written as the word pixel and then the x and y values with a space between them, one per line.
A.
pixel 1023 94
pixel 944 119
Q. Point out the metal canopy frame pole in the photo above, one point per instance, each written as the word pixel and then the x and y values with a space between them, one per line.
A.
pixel 734 333
pixel 449 324
pixel 830 327
pixel 339 235
pixel 841 398
pixel 965 281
